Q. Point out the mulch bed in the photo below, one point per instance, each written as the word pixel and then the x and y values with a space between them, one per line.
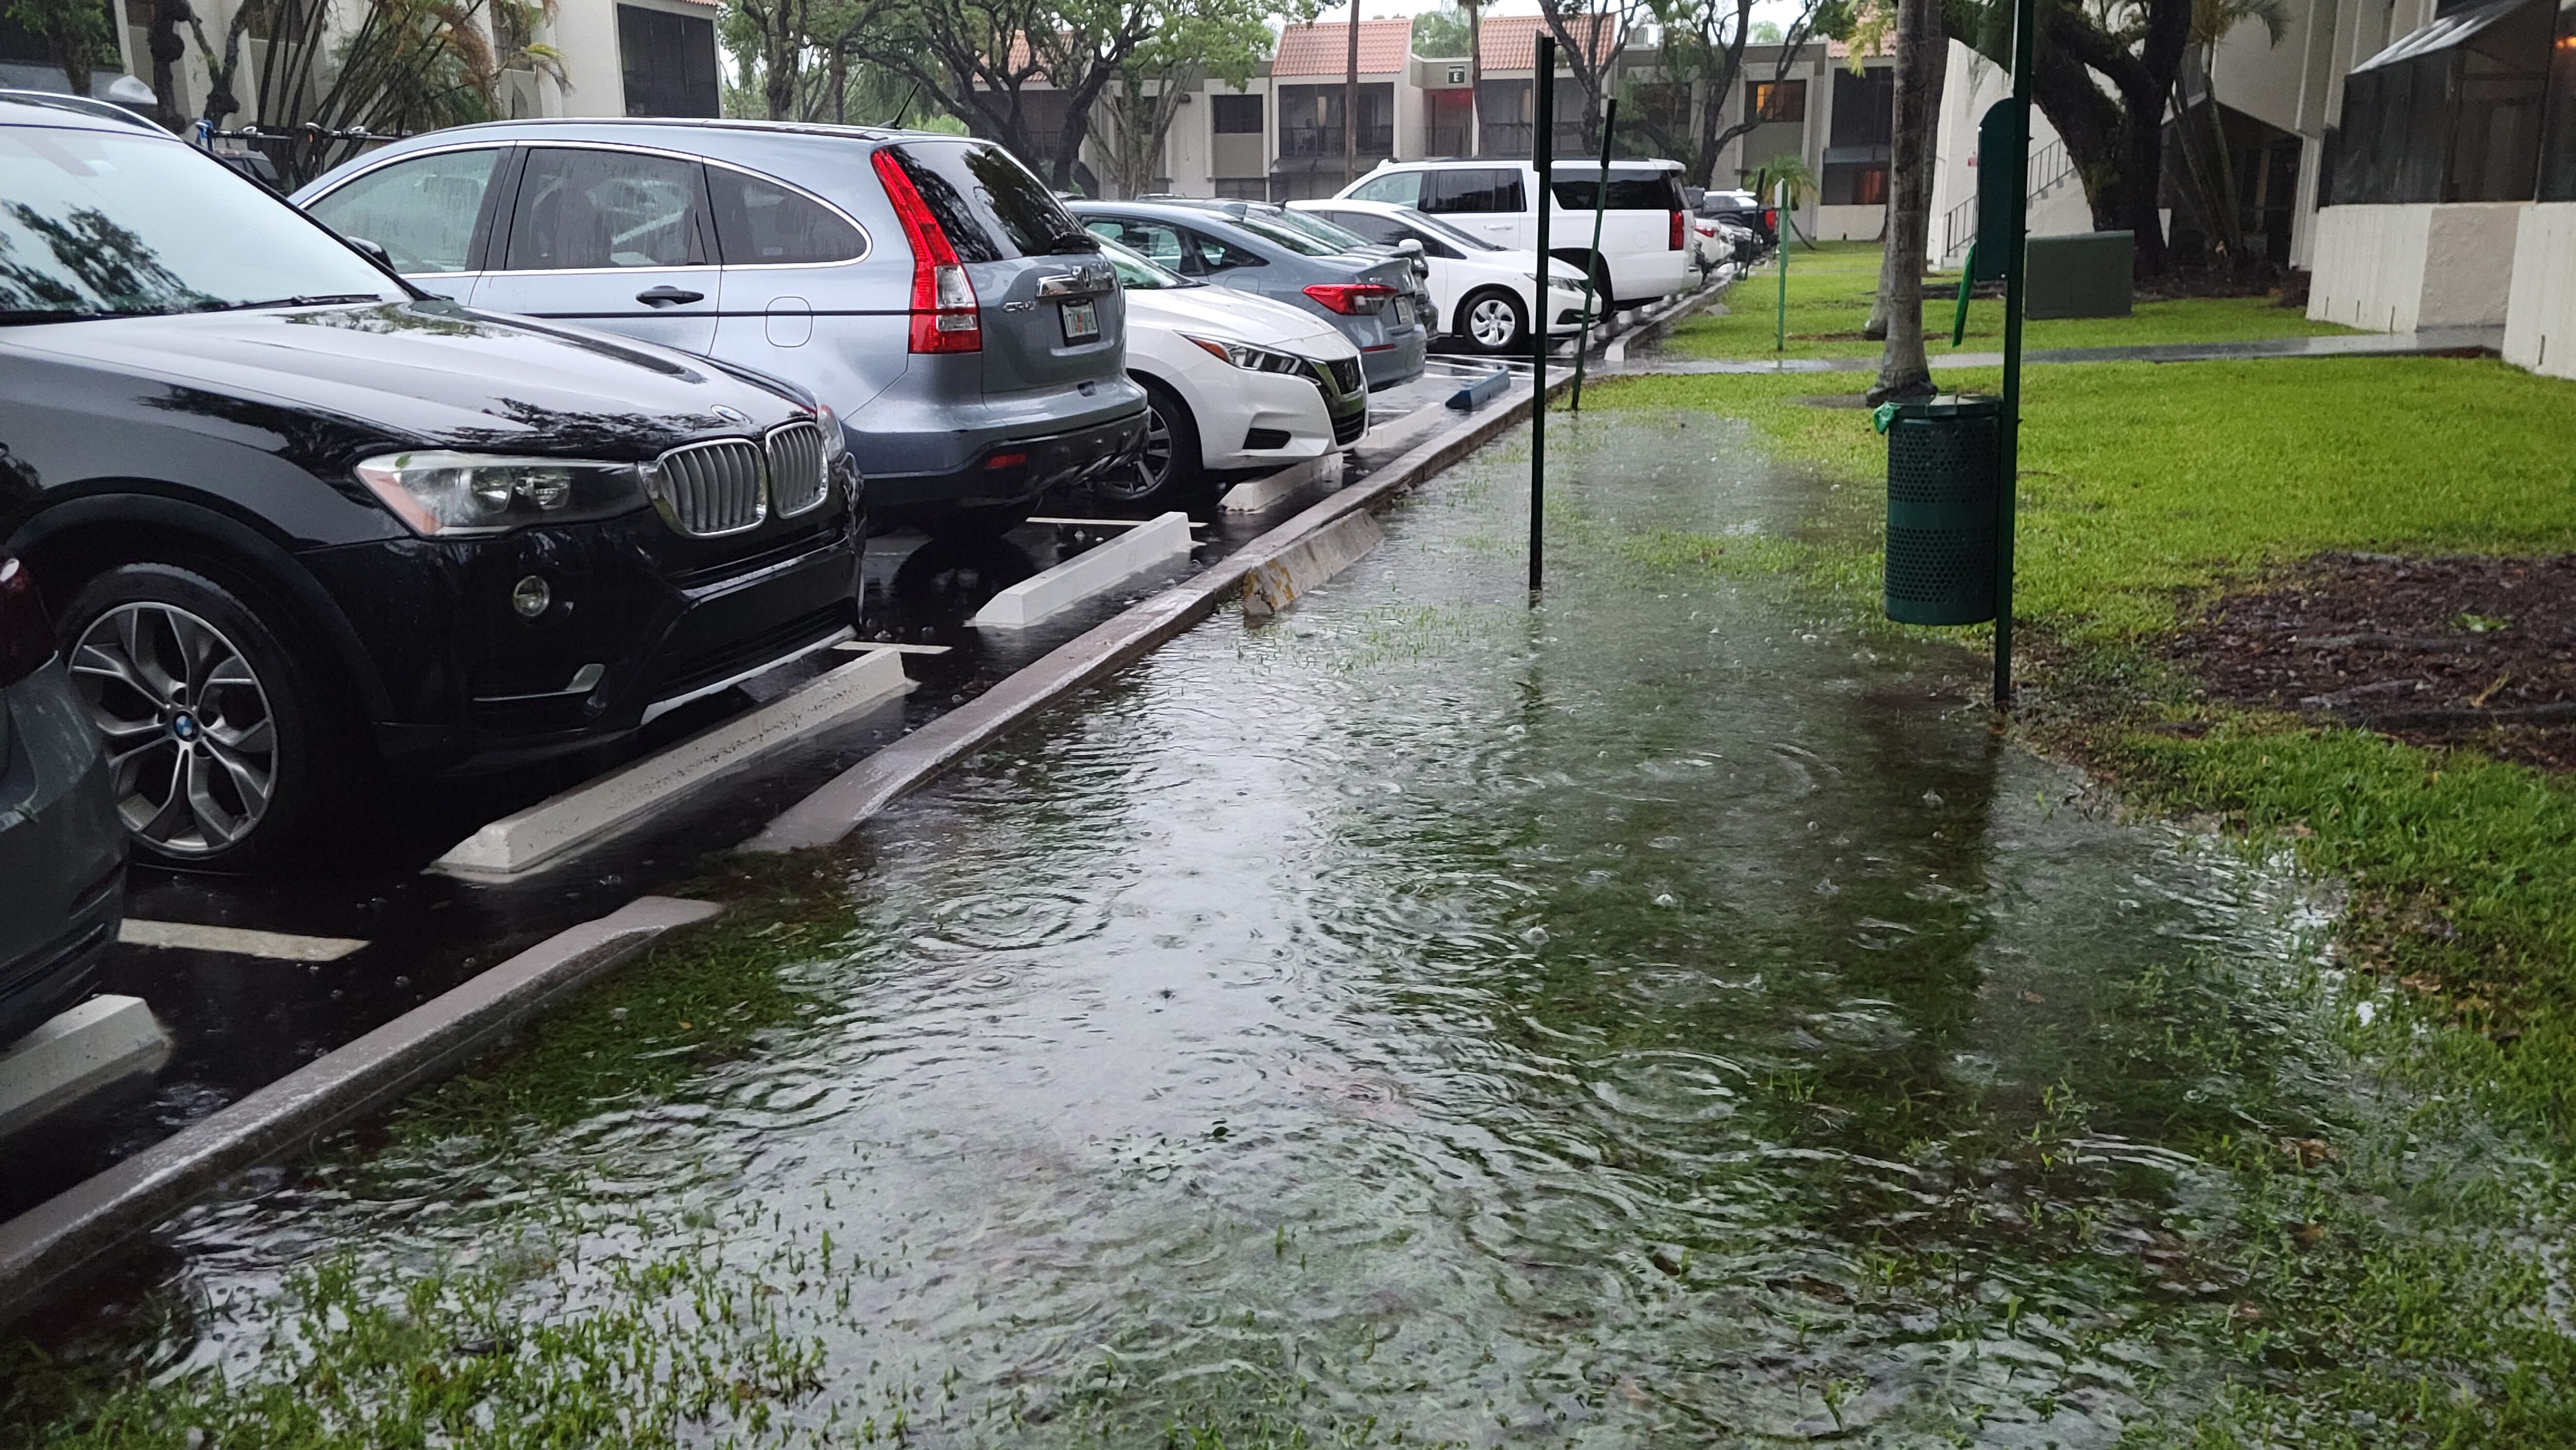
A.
pixel 2463 650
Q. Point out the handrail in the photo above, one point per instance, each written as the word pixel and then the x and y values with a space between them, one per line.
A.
pixel 2050 167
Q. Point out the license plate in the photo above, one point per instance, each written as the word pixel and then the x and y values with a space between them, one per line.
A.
pixel 1404 312
pixel 1081 321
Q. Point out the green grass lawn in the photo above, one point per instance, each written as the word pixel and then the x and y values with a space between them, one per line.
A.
pixel 1829 296
pixel 2141 484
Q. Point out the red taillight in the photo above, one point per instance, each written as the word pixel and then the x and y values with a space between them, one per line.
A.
pixel 945 317
pixel 1771 220
pixel 26 636
pixel 1352 299
pixel 1678 233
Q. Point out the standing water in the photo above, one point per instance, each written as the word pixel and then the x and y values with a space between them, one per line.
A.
pixel 1659 1015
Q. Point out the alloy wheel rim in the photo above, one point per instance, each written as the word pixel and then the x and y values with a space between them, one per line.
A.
pixel 1491 322
pixel 1153 461
pixel 191 743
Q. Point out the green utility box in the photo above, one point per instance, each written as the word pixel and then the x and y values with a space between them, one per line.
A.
pixel 2084 275
pixel 1944 456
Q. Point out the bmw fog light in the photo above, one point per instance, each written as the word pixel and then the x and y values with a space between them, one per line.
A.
pixel 532 596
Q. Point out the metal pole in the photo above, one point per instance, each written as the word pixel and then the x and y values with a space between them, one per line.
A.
pixel 2025 30
pixel 1544 164
pixel 1780 199
pixel 1600 200
pixel 1351 104
pixel 1475 81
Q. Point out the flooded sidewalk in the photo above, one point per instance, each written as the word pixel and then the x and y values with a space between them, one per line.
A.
pixel 1661 1015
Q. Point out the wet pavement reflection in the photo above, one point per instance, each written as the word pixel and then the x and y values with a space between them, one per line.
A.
pixel 1659 1015
pixel 240 1022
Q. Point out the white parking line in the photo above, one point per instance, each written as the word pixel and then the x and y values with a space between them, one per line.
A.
pixel 277 945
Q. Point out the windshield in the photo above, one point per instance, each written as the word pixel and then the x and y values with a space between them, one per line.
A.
pixel 1454 236
pixel 1302 243
pixel 103 224
pixel 1339 238
pixel 1138 272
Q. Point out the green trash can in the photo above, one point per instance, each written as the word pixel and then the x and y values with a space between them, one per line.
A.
pixel 1943 456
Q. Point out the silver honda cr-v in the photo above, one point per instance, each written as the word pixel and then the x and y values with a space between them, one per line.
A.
pixel 928 288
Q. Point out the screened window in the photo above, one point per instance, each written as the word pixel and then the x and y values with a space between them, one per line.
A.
pixel 1854 183
pixel 669 62
pixel 2558 141
pixel 1235 115
pixel 1776 100
pixel 596 210
pixel 421 211
pixel 759 222
pixel 2452 112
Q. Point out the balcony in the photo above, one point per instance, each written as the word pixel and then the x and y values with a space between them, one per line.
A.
pixel 1512 138
pixel 1329 141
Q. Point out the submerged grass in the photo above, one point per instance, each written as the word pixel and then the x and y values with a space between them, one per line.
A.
pixel 2141 485
pixel 1830 289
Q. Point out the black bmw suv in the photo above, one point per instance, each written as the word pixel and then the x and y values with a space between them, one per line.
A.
pixel 292 513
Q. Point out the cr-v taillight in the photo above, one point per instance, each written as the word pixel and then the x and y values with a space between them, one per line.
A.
pixel 26 635
pixel 945 317
pixel 1679 231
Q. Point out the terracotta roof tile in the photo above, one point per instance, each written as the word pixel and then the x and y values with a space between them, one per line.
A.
pixel 1324 49
pixel 1507 42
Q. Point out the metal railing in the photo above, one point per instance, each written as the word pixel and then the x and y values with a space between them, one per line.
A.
pixel 1330 140
pixel 2050 168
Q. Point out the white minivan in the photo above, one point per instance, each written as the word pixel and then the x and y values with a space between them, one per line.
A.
pixel 1645 232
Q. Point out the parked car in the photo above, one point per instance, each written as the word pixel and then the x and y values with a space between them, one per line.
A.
pixel 1716 244
pixel 1233 384
pixel 927 287
pixel 62 849
pixel 1744 210
pixel 290 513
pixel 1369 296
pixel 1483 293
pixel 1645 243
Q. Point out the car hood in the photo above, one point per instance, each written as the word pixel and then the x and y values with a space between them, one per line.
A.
pixel 1223 312
pixel 430 373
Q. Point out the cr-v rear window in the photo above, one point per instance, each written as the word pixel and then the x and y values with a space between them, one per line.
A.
pixel 1658 192
pixel 991 207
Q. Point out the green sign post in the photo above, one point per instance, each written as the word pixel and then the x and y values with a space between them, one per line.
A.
pixel 2012 214
pixel 1543 162
pixel 1591 304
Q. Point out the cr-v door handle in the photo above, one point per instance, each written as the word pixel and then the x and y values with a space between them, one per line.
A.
pixel 667 296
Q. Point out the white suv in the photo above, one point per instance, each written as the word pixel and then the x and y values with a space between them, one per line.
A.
pixel 1645 233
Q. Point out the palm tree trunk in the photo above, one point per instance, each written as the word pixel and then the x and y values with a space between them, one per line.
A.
pixel 1922 56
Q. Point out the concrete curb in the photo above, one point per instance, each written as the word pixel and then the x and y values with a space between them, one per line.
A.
pixel 76 1053
pixel 1293 571
pixel 49 1245
pixel 1154 544
pixel 856 794
pixel 1657 323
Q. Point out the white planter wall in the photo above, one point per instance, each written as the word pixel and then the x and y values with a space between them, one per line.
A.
pixel 2540 318
pixel 2401 268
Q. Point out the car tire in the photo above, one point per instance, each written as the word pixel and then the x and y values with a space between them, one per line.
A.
pixel 977 523
pixel 1494 322
pixel 1170 467
pixel 217 742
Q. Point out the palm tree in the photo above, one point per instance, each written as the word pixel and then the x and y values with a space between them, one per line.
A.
pixel 2207 159
pixel 1922 53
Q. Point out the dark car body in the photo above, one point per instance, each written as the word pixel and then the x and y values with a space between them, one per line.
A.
pixel 789 249
pixel 62 848
pixel 225 443
pixel 1744 210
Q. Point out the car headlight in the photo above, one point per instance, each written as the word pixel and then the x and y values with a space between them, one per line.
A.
pixel 1255 359
pixel 443 495
pixel 836 446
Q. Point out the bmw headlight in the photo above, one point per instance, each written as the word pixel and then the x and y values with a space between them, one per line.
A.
pixel 836 446
pixel 444 495
pixel 1254 359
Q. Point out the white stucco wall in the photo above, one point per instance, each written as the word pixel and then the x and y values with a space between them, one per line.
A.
pixel 586 32
pixel 1850 223
pixel 2540 316
pixel 2400 268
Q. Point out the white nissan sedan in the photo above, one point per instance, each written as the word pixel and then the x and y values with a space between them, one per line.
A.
pixel 1235 385
pixel 1480 290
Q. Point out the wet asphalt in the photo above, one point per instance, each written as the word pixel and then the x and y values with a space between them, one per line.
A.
pixel 238 1022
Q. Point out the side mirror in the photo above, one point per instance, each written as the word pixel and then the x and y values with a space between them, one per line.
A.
pixel 376 250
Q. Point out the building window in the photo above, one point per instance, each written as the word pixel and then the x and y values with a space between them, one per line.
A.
pixel 670 62
pixel 1855 183
pixel 1235 115
pixel 1864 107
pixel 1776 100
